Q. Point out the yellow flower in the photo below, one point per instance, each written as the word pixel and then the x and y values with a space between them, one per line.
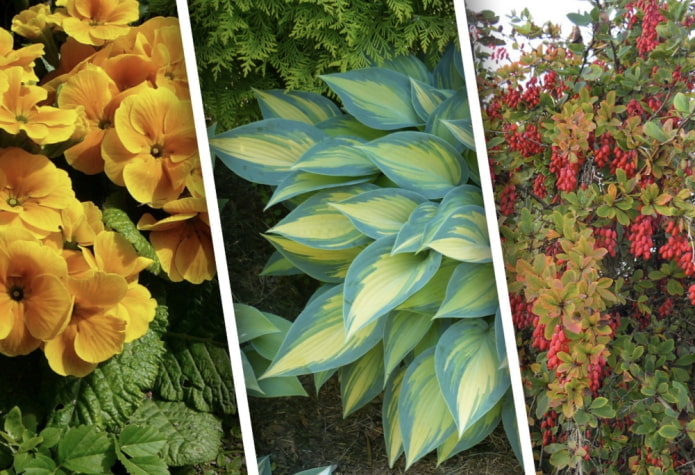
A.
pixel 20 112
pixel 152 148
pixel 35 303
pixel 182 241
pixel 33 192
pixel 94 22
pixel 94 333
pixel 33 21
pixel 23 57
pixel 80 224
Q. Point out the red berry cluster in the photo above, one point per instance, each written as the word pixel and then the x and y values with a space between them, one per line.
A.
pixel 679 249
pixel 640 234
pixel 512 97
pixel 521 311
pixel 547 426
pixel 539 186
pixel 528 142
pixel 494 110
pixel 532 95
pixel 606 238
pixel 634 108
pixel 602 156
pixel 648 38
pixel 650 460
pixel 558 344
pixel 565 171
pixel 538 338
pixel 691 294
pixel 508 199
pixel 665 308
pixel 625 160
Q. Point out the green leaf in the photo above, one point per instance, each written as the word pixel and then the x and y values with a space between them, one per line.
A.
pixel 148 465
pixel 410 235
pixel 279 265
pixel 251 323
pixel 346 125
pixel 119 221
pixel 85 449
pixel 317 340
pixel 475 434
pixel 307 107
pixel 390 419
pixel 281 386
pixel 327 470
pixel 380 212
pixel 264 151
pixel 580 20
pixel 268 345
pixel 297 183
pixel 471 292
pixel 362 380
pixel 669 431
pixel 511 427
pixel 191 437
pixel 403 330
pixel 33 464
pixel 463 236
pixel 410 66
pixel 140 441
pixel 468 371
pixel 426 98
pixel 448 74
pixel 377 97
pixel 461 130
pixel 655 131
pixel 336 156
pixel 418 161
pixel 377 281
pixel 13 424
pixel 454 108
pixel 425 420
pixel 429 298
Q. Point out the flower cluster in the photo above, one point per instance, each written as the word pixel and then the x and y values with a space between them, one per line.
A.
pixel 115 104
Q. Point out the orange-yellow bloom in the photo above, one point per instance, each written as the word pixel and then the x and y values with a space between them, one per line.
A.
pixel 94 22
pixel 94 333
pixel 22 57
pixel 152 148
pixel 35 303
pixel 182 241
pixel 33 21
pixel 80 224
pixel 33 192
pixel 20 112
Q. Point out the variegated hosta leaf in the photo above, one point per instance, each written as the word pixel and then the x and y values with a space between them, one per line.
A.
pixel 455 107
pixel 426 97
pixel 336 156
pixel 468 371
pixel 377 282
pixel 307 107
pixel 315 223
pixel 279 265
pixel 422 411
pixel 403 330
pixel 264 151
pixel 471 292
pixel 499 338
pixel 377 97
pixel 448 74
pixel 389 417
pixel 317 340
pixel 461 130
pixel 418 161
pixel 463 236
pixel 510 423
pixel 380 212
pixel 455 199
pixel 409 66
pixel 297 182
pixel 250 381
pixel 346 125
pixel 281 386
pixel 362 380
pixel 251 323
pixel 325 265
pixel 268 345
pixel 473 435
pixel 409 237
pixel 321 377
pixel 432 336
pixel 429 298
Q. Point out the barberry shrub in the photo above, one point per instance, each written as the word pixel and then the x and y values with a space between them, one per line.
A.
pixel 592 148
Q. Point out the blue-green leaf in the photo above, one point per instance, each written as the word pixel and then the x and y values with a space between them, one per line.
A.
pixel 377 281
pixel 402 332
pixel 461 130
pixel 336 156
pixel 377 97
pixel 390 419
pixel 455 107
pixel 380 212
pixel 419 162
pixel 426 98
pixel 279 265
pixel 362 380
pixel 409 237
pixel 268 345
pixel 307 107
pixel 499 338
pixel 448 74
pixel 251 323
pixel 409 66
pixel 468 371
pixel 346 125
pixel 429 298
pixel 264 151
pixel 317 340
pixel 473 435
pixel 511 427
pixel 471 292
pixel 297 182
pixel 463 236
pixel 280 386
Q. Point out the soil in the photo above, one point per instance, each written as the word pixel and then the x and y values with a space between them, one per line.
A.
pixel 301 433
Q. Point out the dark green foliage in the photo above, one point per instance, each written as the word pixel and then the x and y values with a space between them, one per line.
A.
pixel 269 44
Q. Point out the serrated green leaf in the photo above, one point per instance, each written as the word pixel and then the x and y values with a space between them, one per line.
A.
pixel 33 464
pixel 307 107
pixel 192 437
pixel 13 425
pixel 119 221
pixel 140 440
pixel 148 465
pixel 85 449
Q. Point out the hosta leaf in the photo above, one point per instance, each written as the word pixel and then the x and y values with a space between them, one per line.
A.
pixel 362 380
pixel 424 417
pixel 455 107
pixel 403 330
pixel 499 339
pixel 509 421
pixel 307 107
pixel 409 237
pixel 426 98
pixel 429 298
pixel 192 437
pixel 461 130
pixel 325 265
pixel 336 156
pixel 471 292
pixel 298 182
pixel 409 66
pixel 321 377
pixel 279 265
pixel 377 97
pixel 264 151
pixel 463 236
pixel 380 212
pixel 315 223
pixel 85 449
pixel 108 396
pixel 347 126
pixel 198 373
pixel 251 323
pixel 327 470
pixel 448 74
pixel 377 281
pixel 467 368
pixel 120 222
pixel 418 161
pixel 250 378
pixel 317 340
pixel 473 435
pixel 140 441
pixel 281 386
pixel 268 345
pixel 390 419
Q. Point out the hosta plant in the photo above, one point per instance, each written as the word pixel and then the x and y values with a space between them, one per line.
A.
pixel 387 216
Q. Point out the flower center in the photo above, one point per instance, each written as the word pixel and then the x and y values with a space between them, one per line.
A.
pixel 16 293
pixel 13 202
pixel 156 150
pixel 22 119
pixel 104 124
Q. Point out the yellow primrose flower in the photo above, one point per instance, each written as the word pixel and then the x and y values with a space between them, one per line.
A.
pixel 94 22
pixel 33 192
pixel 183 241
pixel 35 303
pixel 94 333
pixel 33 21
pixel 80 224
pixel 19 111
pixel 152 148
pixel 23 57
